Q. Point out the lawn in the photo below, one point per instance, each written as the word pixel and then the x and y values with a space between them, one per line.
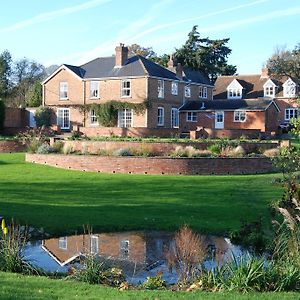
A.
pixel 15 286
pixel 62 201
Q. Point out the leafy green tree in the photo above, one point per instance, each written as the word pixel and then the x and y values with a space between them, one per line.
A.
pixel 25 73
pixel 33 97
pixel 5 72
pixel 161 60
pixel 42 116
pixel 285 63
pixel 206 55
pixel 137 49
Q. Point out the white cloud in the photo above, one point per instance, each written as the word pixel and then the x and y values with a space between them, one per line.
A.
pixel 48 16
pixel 261 18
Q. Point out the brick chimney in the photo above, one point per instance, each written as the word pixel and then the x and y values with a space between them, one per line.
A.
pixel 264 72
pixel 175 67
pixel 179 71
pixel 121 55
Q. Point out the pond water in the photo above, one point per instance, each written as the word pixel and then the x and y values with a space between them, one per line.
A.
pixel 138 254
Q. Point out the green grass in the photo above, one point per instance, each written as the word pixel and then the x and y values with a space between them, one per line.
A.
pixel 62 201
pixel 15 286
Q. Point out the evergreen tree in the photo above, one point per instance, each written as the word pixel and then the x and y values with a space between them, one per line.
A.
pixel 5 72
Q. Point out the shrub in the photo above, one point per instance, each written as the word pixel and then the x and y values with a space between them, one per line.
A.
pixel 58 146
pixel 214 148
pixel 67 149
pixel 76 135
pixel 33 146
pixel 42 116
pixel 122 152
pixel 271 152
pixel 187 254
pixel 203 153
pixel 179 152
pixel 154 283
pixel 44 149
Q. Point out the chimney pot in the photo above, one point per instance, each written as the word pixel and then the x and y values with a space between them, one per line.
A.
pixel 264 73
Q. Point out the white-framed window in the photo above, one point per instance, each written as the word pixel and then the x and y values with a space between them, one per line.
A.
pixel 289 89
pixel 191 116
pixel 187 91
pixel 202 92
pixel 234 93
pixel 174 117
pixel 63 118
pixel 125 118
pixel 269 89
pixel 94 244
pixel 291 113
pixel 124 249
pixel 93 117
pixel 63 243
pixel 63 90
pixel 160 116
pixel 94 89
pixel 174 88
pixel 239 116
pixel 125 88
pixel 160 88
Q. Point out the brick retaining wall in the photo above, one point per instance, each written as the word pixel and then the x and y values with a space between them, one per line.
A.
pixel 155 165
pixel 11 146
pixel 93 147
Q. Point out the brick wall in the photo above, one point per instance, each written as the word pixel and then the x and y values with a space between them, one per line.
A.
pixel 93 147
pixel 131 131
pixel 11 146
pixel 155 165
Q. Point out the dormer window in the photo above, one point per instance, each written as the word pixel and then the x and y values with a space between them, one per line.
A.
pixel 269 89
pixel 234 90
pixel 289 89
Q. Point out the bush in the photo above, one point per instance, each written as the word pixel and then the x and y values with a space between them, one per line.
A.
pixel 154 283
pixel 44 149
pixel 58 146
pixel 42 116
pixel 214 148
pixel 203 153
pixel 2 114
pixel 33 146
pixel 122 152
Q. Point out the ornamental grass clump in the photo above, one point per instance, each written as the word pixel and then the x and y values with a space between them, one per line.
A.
pixel 12 257
pixel 187 254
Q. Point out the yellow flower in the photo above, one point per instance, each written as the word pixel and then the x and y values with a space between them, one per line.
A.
pixel 3 224
pixel 4 230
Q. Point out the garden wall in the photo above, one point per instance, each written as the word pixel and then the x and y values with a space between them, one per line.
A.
pixel 94 147
pixel 11 146
pixel 131 131
pixel 155 165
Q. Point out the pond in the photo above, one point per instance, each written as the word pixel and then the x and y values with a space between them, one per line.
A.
pixel 138 254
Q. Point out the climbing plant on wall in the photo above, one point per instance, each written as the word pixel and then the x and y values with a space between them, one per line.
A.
pixel 107 113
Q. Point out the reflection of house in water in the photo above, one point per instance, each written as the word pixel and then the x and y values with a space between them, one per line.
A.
pixel 132 251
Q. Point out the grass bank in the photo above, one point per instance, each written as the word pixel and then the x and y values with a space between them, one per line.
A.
pixel 62 201
pixel 15 286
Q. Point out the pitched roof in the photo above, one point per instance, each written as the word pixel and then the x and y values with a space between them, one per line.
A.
pixel 208 105
pixel 253 85
pixel 104 67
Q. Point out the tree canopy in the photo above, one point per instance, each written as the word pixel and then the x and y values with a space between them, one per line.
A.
pixel 206 55
pixel 285 63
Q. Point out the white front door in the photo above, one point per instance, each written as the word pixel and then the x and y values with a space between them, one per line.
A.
pixel 219 119
pixel 63 118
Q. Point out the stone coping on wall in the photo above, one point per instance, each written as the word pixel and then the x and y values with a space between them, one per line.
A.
pixel 155 165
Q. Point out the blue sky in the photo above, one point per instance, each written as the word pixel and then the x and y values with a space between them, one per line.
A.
pixel 76 31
